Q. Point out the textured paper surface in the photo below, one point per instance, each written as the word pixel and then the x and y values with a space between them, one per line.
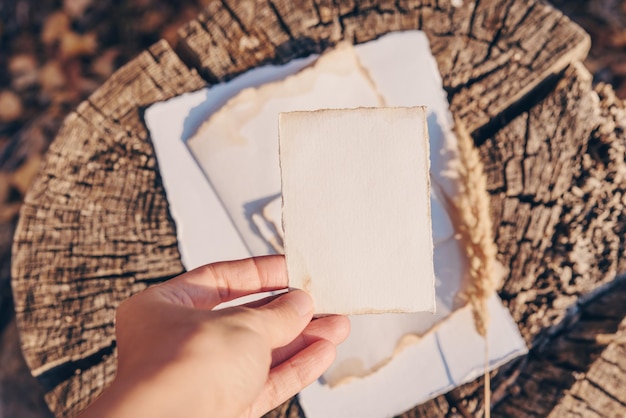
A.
pixel 237 146
pixel 438 362
pixel 356 209
pixel 413 80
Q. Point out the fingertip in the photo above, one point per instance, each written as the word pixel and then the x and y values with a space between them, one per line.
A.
pixel 335 328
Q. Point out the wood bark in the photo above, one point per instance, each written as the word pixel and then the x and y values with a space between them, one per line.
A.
pixel 95 226
pixel 94 229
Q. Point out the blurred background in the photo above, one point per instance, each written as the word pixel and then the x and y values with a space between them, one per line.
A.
pixel 55 53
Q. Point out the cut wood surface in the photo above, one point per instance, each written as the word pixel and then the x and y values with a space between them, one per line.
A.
pixel 560 227
pixel 490 53
pixel 95 226
pixel 94 229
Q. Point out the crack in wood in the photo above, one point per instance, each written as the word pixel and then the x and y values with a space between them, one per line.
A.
pixel 602 389
pixel 350 17
pixel 52 377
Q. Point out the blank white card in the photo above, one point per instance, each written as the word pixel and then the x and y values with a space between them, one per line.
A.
pixel 356 209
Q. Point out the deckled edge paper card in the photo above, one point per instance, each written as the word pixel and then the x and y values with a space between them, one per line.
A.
pixel 356 209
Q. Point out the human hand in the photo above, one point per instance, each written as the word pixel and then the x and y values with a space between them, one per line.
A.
pixel 177 357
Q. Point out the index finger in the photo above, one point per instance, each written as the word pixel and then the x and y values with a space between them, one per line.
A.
pixel 208 286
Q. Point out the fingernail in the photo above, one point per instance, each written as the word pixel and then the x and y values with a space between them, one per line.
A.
pixel 301 301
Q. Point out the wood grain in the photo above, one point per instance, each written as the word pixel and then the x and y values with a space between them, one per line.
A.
pixel 105 234
pixel 491 54
pixel 555 176
pixel 579 369
pixel 601 391
pixel 95 226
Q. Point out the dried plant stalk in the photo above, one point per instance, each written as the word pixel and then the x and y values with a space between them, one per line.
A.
pixel 476 230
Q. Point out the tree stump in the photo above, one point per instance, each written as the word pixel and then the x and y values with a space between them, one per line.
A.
pixel 95 226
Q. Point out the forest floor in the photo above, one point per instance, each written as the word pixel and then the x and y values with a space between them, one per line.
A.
pixel 55 53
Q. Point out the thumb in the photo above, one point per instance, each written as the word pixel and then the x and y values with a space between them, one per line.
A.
pixel 285 317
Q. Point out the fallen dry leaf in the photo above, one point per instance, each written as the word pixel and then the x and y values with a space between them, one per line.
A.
pixel 9 211
pixel 77 45
pixel 23 70
pixel 104 64
pixel 170 32
pixel 86 86
pixel 76 8
pixel 51 76
pixel 10 106
pixel 4 186
pixel 25 174
pixel 22 63
pixel 617 38
pixel 151 20
pixel 36 141
pixel 54 27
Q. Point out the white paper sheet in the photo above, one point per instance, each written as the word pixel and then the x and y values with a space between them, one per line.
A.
pixel 237 149
pixel 441 360
pixel 356 209
pixel 237 146
pixel 204 229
